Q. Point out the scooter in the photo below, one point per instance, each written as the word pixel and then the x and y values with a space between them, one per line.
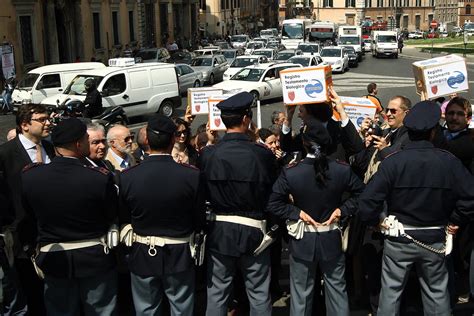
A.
pixel 75 108
pixel 6 103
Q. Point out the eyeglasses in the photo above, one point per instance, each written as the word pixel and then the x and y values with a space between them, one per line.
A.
pixel 42 120
pixel 128 139
pixel 180 133
pixel 458 113
pixel 99 141
pixel 391 111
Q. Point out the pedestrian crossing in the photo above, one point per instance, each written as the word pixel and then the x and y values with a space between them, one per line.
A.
pixel 357 81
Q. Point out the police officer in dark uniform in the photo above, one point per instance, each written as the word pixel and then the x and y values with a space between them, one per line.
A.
pixel 93 100
pixel 161 199
pixel 317 185
pixel 74 207
pixel 238 175
pixel 429 192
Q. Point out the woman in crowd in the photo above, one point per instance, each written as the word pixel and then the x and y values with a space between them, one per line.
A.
pixel 183 151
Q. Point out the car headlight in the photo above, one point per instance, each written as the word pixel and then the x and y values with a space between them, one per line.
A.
pixel 338 62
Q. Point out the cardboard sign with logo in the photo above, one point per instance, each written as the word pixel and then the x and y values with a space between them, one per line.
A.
pixel 440 76
pixel 215 121
pixel 306 85
pixel 357 109
pixel 198 98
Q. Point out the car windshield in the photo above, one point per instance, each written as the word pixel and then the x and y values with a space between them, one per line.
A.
pixel 300 60
pixel 229 54
pixel 292 31
pixel 238 38
pixel 308 48
pixel 147 54
pixel 266 33
pixel 248 74
pixel 469 26
pixel 76 86
pixel 202 62
pixel 387 39
pixel 267 53
pixel 284 56
pixel 255 45
pixel 350 49
pixel 243 62
pixel 28 81
pixel 349 40
pixel 331 52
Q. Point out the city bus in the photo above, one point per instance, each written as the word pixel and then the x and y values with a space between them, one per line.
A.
pixel 322 31
pixel 293 32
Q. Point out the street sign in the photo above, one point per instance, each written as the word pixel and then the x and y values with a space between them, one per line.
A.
pixel 434 24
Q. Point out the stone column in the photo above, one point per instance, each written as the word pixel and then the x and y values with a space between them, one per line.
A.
pixel 51 34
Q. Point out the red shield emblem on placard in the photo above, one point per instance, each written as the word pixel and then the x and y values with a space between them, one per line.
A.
pixel 217 122
pixel 198 108
pixel 291 95
pixel 434 89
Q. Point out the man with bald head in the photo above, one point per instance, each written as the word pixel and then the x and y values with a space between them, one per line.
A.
pixel 120 142
pixel 143 149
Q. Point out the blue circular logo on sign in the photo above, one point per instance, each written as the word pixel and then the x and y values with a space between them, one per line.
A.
pixel 360 120
pixel 455 80
pixel 314 88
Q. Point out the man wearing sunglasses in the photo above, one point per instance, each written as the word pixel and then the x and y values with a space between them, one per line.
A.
pixel 120 142
pixel 33 126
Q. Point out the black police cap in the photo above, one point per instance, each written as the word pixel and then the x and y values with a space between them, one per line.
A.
pixel 423 116
pixel 315 131
pixel 236 104
pixel 161 124
pixel 68 131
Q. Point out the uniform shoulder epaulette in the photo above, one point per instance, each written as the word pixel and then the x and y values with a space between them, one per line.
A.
pixel 391 154
pixel 293 164
pixel 342 162
pixel 189 166
pixel 102 170
pixel 130 168
pixel 32 165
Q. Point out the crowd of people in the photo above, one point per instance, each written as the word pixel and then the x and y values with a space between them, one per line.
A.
pixel 188 223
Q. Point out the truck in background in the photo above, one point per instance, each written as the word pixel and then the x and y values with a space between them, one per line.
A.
pixel 384 43
pixel 351 35
pixel 293 32
pixel 322 31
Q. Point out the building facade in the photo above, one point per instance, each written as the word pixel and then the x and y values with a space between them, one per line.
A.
pixel 59 31
pixel 465 12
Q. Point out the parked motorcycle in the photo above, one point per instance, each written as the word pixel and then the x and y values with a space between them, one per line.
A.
pixel 6 102
pixel 75 108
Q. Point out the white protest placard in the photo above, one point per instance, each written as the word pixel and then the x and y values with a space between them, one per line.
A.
pixel 198 98
pixel 357 109
pixel 441 76
pixel 306 85
pixel 215 121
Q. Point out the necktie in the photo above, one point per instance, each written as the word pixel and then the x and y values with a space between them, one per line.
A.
pixel 39 156
pixel 124 164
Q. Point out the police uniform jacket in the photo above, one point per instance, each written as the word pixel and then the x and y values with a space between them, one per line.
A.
pixel 462 146
pixel 423 186
pixel 238 176
pixel 71 202
pixel 345 141
pixel 318 201
pixel 160 197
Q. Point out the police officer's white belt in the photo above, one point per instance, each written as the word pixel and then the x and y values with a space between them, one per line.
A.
pixel 320 229
pixel 72 245
pixel 409 227
pixel 260 224
pixel 159 241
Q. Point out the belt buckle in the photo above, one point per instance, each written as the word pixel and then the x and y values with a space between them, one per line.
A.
pixel 152 251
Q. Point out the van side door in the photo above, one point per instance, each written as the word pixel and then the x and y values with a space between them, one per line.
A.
pixel 48 85
pixel 139 90
pixel 114 90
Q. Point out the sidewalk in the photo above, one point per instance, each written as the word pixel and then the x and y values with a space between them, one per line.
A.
pixel 414 53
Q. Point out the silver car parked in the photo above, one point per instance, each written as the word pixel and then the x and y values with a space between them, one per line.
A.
pixel 188 77
pixel 212 67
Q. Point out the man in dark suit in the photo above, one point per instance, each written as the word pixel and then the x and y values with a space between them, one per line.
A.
pixel 29 146
pixel 98 148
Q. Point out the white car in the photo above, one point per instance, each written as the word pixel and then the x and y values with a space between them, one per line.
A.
pixel 367 44
pixel 207 51
pixel 415 35
pixel 307 61
pixel 251 46
pixel 268 52
pixel 309 49
pixel 263 81
pixel 243 61
pixel 337 57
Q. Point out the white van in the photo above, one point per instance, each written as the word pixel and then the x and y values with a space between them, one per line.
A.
pixel 47 81
pixel 384 43
pixel 138 88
